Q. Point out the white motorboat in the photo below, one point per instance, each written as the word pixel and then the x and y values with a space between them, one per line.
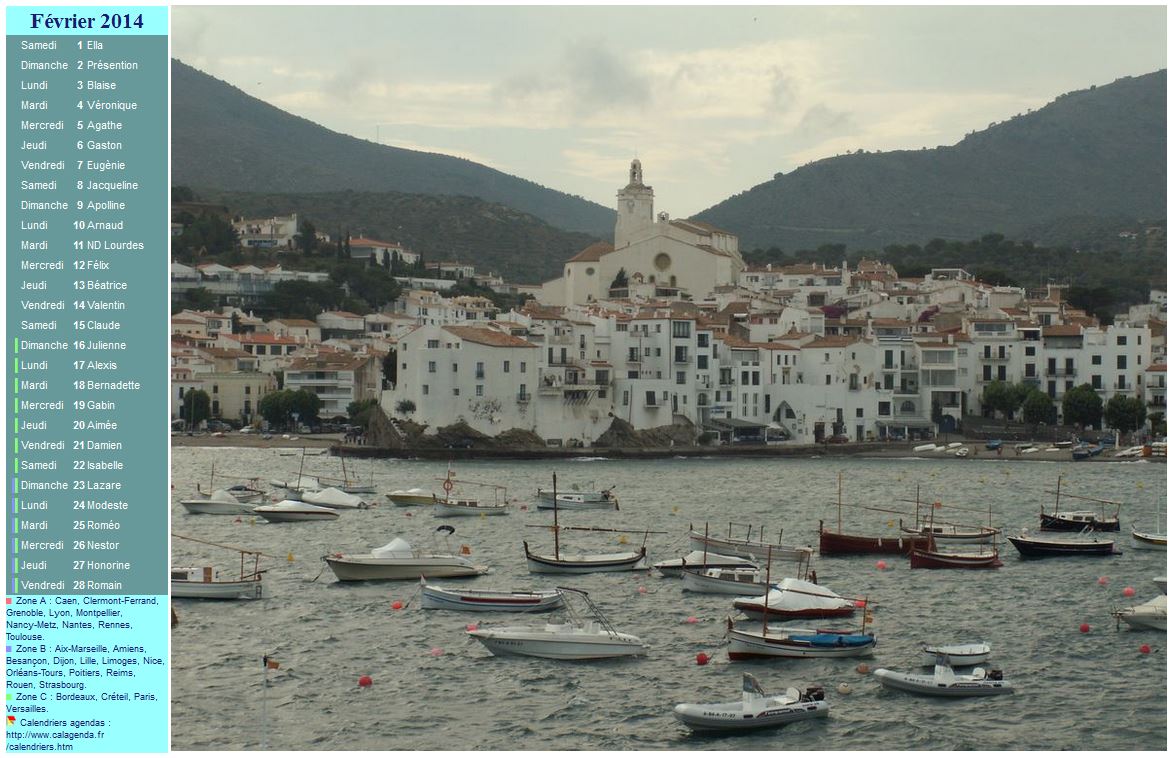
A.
pixel 1148 615
pixel 219 503
pixel 967 654
pixel 699 560
pixel 506 601
pixel 205 583
pixel 332 497
pixel 414 497
pixel 725 581
pixel 579 640
pixel 795 598
pixel 756 709
pixel 293 510
pixel 467 506
pixel 294 488
pixel 944 682
pixel 787 642
pixel 1161 582
pixel 577 499
pixel 754 548
pixel 398 560
pixel 243 493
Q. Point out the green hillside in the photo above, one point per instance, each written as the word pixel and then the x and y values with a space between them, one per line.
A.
pixel 223 139
pixel 1092 154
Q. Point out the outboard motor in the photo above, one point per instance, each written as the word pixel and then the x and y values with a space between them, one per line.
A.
pixel 813 694
pixel 995 676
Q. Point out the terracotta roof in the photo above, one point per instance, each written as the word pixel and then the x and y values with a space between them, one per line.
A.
pixel 1157 367
pixel 295 322
pixel 261 339
pixel 698 227
pixel 1062 330
pixel 833 341
pixel 334 362
pixel 592 252
pixel 177 320
pixel 739 343
pixel 342 314
pixel 890 322
pixel 489 337
pixel 225 352
pixel 366 242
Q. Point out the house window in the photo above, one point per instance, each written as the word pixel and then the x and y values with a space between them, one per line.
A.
pixel 248 390
pixel 480 371
pixel 1122 362
pixel 455 368
pixel 522 366
pixel 505 366
pixel 650 397
pixel 680 377
pixel 456 391
pixel 215 389
pixel 625 397
pixel 1122 340
pixel 1029 350
pixel 827 378
pixel 681 329
pixel 702 340
pixel 431 367
pixel 433 344
pixel 882 409
pixel 480 390
pixel 703 361
pixel 424 389
pixel 1096 360
pixel 859 413
pixel 215 407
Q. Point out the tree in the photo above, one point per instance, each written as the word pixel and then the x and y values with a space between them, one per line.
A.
pixel 405 407
pixel 307 238
pixel 275 408
pixel 200 299
pixel 390 368
pixel 197 407
pixel 1157 423
pixel 360 410
pixel 306 404
pixel 1082 406
pixel 1038 408
pixel 1125 414
pixel 1000 396
pixel 621 280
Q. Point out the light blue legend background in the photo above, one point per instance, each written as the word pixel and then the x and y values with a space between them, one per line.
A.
pixel 86 608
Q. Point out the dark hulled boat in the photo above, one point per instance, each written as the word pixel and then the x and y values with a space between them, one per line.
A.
pixel 838 543
pixel 1038 547
pixel 932 559
pixel 1078 521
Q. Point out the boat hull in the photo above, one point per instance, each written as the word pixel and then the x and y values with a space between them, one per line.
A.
pixel 1144 620
pixel 1052 549
pixel 925 685
pixel 957 655
pixel 279 517
pixel 698 541
pixel 1053 523
pixel 753 610
pixel 441 599
pixel 447 509
pixel 243 590
pixel 729 717
pixel 213 508
pixel 548 564
pixel 981 537
pixel 1144 541
pixel 750 645
pixel 358 570
pixel 695 581
pixel 411 501
pixel 835 543
pixel 539 645
pixel 701 562
pixel 926 559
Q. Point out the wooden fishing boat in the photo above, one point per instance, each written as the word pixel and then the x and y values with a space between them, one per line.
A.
pixel 505 601
pixel 699 560
pixel 1076 521
pixel 467 506
pixel 838 543
pixel 724 581
pixel 936 559
pixel 1146 541
pixel 731 545
pixel 206 583
pixel 578 499
pixel 1040 547
pixel 952 534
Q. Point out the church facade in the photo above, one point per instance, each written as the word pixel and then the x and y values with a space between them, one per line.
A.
pixel 651 253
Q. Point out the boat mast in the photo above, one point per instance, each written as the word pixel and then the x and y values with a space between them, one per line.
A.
pixel 1059 478
pixel 554 475
pixel 766 593
pixel 840 502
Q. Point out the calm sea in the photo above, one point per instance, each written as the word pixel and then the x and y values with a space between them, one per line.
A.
pixel 1074 691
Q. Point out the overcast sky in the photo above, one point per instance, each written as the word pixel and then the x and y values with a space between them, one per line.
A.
pixel 713 100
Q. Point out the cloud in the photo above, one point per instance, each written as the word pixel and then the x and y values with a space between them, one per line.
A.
pixel 598 79
pixel 822 121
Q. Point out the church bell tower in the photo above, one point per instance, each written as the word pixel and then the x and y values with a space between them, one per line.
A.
pixel 633 207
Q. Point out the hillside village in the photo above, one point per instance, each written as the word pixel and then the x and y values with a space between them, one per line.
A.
pixel 665 327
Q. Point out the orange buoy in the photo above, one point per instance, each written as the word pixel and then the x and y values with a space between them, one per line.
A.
pixel 702 659
pixel 365 681
pixel 1084 628
pixel 862 668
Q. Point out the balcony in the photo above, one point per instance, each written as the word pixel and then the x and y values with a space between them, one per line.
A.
pixel 1054 371
pixel 907 390
pixel 995 357
pixel 524 397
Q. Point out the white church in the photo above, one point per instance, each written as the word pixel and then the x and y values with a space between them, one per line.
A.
pixel 659 256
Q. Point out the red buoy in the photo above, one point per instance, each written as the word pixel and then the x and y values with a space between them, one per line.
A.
pixel 396 605
pixel 1144 649
pixel 365 681
pixel 1084 628
pixel 436 652
pixel 703 659
pixel 1103 581
pixel 863 668
pixel 691 620
pixel 470 627
pixel 642 589
pixel 860 603
pixel 1128 592
pixel 882 565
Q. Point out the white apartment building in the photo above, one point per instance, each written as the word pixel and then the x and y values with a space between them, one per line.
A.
pixel 338 379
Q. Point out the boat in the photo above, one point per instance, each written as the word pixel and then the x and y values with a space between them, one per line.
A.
pixel 1161 582
pixel 578 499
pixel 841 543
pixel 932 558
pixel 699 560
pixel 962 452
pixel 578 640
pixel 1155 540
pixel 506 601
pixel 1075 521
pixel 724 581
pixel 758 548
pixel 399 560
pixel 332 497
pixel 563 563
pixel 952 534
pixel 206 583
pixel 756 709
pixel 243 493
pixel 1084 451
pixel 219 503
pixel 1148 615
pixel 295 487
pixel 411 498
pixel 1040 547
pixel 794 599
pixel 944 682
pixel 966 654
pixel 294 510
pixel 460 506
pixel 785 642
